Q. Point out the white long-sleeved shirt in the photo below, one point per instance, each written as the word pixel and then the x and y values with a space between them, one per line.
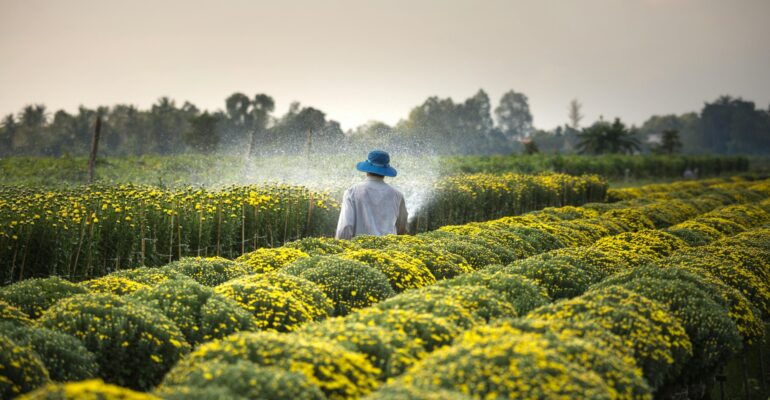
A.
pixel 371 207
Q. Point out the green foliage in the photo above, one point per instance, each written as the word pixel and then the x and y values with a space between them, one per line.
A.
pixel 20 369
pixel 199 313
pixel 350 284
pixel 557 275
pixel 64 356
pixel 149 276
pixel 603 137
pixel 135 345
pixel 240 380
pixel 34 296
pixel 321 246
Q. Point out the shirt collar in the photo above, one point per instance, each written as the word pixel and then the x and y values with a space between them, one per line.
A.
pixel 375 178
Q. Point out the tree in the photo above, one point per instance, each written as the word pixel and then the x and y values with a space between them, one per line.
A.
pixel 670 142
pixel 513 116
pixel 7 133
pixel 574 114
pixel 261 108
pixel 202 133
pixel 530 147
pixel 733 125
pixel 603 137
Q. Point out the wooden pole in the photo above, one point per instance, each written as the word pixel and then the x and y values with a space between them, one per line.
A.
pixel 94 147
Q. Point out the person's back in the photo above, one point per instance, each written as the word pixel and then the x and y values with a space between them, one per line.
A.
pixel 372 207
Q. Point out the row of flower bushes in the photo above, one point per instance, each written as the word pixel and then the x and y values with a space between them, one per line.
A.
pixel 666 311
pixel 85 232
pixel 135 338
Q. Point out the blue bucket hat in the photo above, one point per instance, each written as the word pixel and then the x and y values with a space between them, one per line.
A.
pixel 378 162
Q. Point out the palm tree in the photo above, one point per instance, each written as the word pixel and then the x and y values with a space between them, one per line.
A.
pixel 603 137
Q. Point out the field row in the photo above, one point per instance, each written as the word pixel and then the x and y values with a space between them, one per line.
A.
pixel 86 232
pixel 549 255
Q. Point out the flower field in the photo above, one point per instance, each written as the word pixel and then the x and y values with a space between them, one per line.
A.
pixel 651 295
pixel 86 232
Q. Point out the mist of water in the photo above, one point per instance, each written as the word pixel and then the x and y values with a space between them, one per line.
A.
pixel 333 173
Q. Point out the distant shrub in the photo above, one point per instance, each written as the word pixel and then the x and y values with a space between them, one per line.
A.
pixel 33 296
pixel 135 345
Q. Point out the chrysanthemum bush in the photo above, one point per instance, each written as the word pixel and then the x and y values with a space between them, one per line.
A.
pixel 322 246
pixel 438 304
pixel 240 380
pixel 441 263
pixel 704 261
pixel 633 247
pixel 134 344
pixel 64 356
pixel 149 276
pixel 380 242
pixel 584 344
pixel 403 272
pixel 269 260
pixel 349 284
pixel 199 313
pixel 481 301
pixel 398 390
pixel 279 302
pixel 714 336
pixel 390 351
pixel 33 296
pixel 12 314
pixel 475 235
pixel 490 366
pixel 557 275
pixel 209 271
pixel 428 330
pixel 519 291
pixel 20 369
pixel 88 389
pixel 477 255
pixel 338 372
pixel 112 285
pixel 512 246
pixel 661 345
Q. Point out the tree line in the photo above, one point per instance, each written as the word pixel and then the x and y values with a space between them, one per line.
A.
pixel 440 125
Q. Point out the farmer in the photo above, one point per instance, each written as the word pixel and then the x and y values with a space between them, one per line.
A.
pixel 372 207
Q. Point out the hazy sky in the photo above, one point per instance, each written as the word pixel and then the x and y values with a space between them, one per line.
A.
pixel 362 60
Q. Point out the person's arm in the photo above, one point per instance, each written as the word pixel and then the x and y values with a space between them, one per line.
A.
pixel 346 225
pixel 402 218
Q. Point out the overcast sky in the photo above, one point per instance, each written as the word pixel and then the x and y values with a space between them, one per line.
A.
pixel 362 60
